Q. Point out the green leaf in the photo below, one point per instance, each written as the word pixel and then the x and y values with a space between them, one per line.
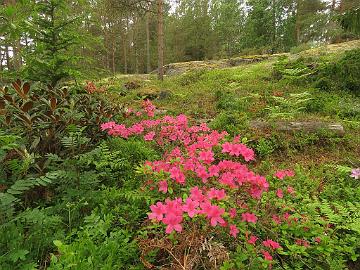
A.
pixel 58 243
pixel 9 11
pixel 18 255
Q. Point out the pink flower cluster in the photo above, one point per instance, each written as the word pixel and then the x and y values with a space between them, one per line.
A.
pixel 283 173
pixel 149 108
pixel 217 190
pixel 270 244
pixel 237 149
pixel 171 213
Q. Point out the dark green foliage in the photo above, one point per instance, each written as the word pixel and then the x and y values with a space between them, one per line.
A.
pixel 350 21
pixel 294 71
pixel 343 74
pixel 332 74
pixel 340 104
pixel 104 246
pixel 26 240
pixel 232 122
pixel 72 189
pixel 54 30
pixel 265 147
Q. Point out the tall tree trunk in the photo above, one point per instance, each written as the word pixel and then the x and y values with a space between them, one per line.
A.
pixel 342 6
pixel 125 56
pixel 160 14
pixel 17 56
pixel 113 55
pixel 297 23
pixel 106 40
pixel 136 61
pixel 148 67
pixel 8 60
pixel 125 45
pixel 2 58
pixel 273 4
pixel 333 5
pixel 14 62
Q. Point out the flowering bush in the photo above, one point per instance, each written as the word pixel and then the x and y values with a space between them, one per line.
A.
pixel 205 186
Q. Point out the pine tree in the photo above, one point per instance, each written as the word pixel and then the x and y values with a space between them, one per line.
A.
pixel 350 16
pixel 55 33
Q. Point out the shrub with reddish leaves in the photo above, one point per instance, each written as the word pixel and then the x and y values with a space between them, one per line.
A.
pixel 92 88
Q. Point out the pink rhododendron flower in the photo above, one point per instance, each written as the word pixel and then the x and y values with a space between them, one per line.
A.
pixel 235 149
pixel 216 194
pixel 190 164
pixel 214 213
pixel 232 212
pixel 177 175
pixel 163 186
pixel 149 136
pixel 173 223
pixel 213 170
pixel 276 219
pixel 249 217
pixel 290 190
pixel 302 242
pixel 173 207
pixel 189 157
pixel 136 129
pixel 236 139
pixel 252 240
pixel 283 173
pixel 196 194
pixel 271 244
pixel 227 178
pixel 233 230
pixel 190 207
pixel 204 127
pixel 149 108
pixel 286 215
pixel 317 240
pixel 202 173
pixel 108 125
pixel 267 255
pixel 158 211
pixel 206 156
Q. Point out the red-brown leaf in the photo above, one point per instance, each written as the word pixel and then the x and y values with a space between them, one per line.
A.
pixel 26 88
pixel 9 98
pixel 27 106
pixel 8 120
pixel 53 103
pixel 2 103
pixel 17 86
pixel 26 119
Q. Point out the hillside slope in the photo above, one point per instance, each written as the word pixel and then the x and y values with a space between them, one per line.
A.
pixel 233 98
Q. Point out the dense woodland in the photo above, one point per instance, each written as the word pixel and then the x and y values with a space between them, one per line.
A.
pixel 121 36
pixel 180 135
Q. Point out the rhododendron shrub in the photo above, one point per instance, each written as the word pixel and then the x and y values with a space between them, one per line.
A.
pixel 204 178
